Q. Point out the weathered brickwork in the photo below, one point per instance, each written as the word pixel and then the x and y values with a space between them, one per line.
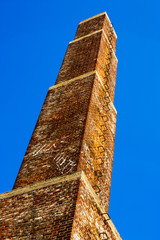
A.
pixel 64 209
pixel 88 54
pixel 45 213
pixel 90 221
pixel 56 141
pixel 94 24
pixel 80 58
pixel 107 66
pixel 79 110
pixel 97 150
pixel 70 115
pixel 62 190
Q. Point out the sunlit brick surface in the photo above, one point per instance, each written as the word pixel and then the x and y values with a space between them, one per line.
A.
pixel 97 151
pixel 63 210
pixel 56 141
pixel 80 58
pixel 89 222
pixel 89 54
pixel 107 66
pixel 95 24
pixel 76 128
pixel 45 213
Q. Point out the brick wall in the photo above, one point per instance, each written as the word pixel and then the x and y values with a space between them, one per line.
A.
pixel 61 208
pixel 88 54
pixel 75 130
pixel 44 213
pixel 90 220
pixel 96 158
pixel 80 58
pixel 56 141
pixel 101 22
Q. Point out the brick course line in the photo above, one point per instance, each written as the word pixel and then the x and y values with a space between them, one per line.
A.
pixel 83 76
pixel 73 79
pixel 85 36
pixel 96 16
pixel 39 185
pixel 88 35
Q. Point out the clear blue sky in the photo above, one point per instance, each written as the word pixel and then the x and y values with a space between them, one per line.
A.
pixel 34 35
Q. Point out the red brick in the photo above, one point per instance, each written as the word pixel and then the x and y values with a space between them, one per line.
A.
pixel 62 208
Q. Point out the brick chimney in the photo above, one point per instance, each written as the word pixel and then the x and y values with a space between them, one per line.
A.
pixel 62 190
